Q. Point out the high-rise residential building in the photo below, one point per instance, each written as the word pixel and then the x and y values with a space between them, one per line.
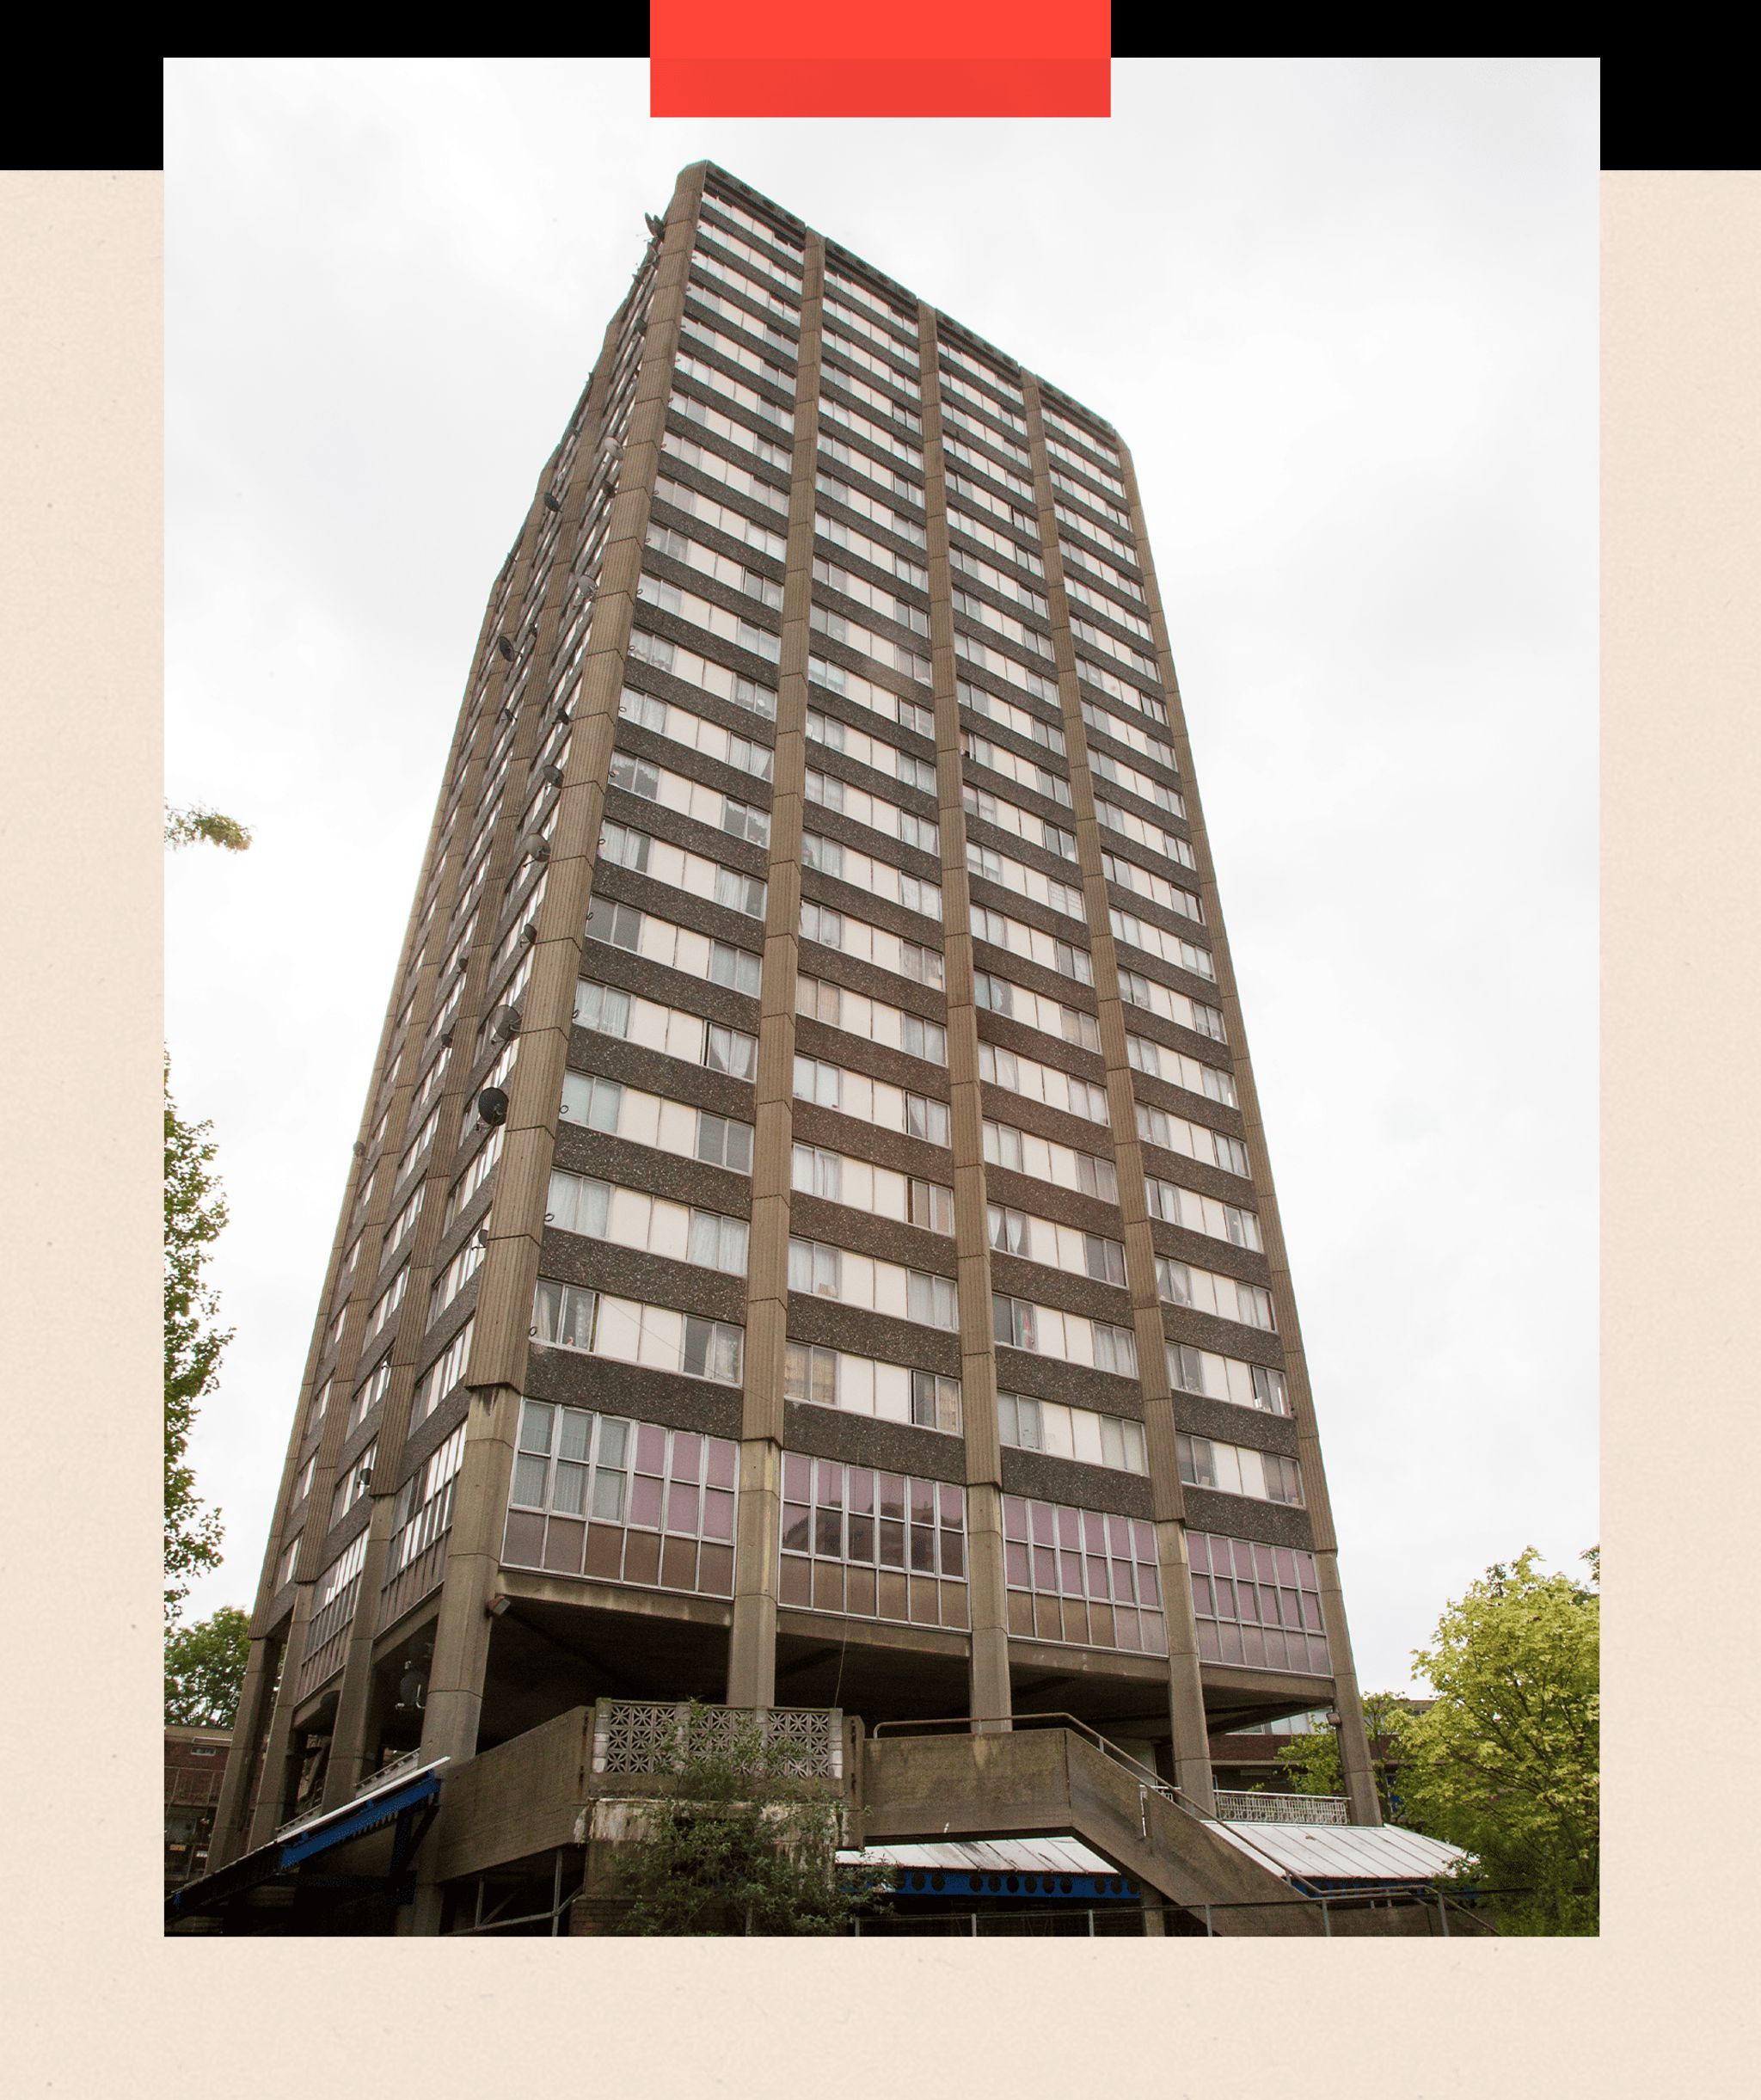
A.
pixel 811 1241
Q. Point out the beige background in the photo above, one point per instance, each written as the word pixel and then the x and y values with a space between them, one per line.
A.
pixel 93 1999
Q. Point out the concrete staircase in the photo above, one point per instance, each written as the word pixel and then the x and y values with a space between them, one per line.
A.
pixel 1052 1781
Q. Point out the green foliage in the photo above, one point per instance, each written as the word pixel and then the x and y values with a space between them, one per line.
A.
pixel 1312 1761
pixel 195 1211
pixel 205 1668
pixel 740 1847
pixel 183 827
pixel 1505 1765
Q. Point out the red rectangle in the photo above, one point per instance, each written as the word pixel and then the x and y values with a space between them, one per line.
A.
pixel 910 58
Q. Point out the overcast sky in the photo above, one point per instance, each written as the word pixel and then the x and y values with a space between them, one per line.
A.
pixel 1344 314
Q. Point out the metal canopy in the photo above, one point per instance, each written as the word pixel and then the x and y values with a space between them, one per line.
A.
pixel 1354 1853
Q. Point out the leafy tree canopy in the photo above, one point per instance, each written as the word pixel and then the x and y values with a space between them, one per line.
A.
pixel 183 827
pixel 742 1846
pixel 1506 1763
pixel 205 1668
pixel 1312 1761
pixel 195 1211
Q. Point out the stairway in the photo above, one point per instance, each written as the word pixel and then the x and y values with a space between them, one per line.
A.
pixel 1052 1782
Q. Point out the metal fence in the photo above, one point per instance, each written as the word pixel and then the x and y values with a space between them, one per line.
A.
pixel 1242 1807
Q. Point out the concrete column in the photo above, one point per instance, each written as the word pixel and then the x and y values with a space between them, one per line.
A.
pixel 990 1695
pixel 1185 1697
pixel 255 1702
pixel 267 1813
pixel 1354 1744
pixel 751 1649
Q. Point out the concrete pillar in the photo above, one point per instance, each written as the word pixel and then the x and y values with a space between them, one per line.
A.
pixel 1360 1787
pixel 752 1648
pixel 1185 1698
pixel 232 1812
pixel 991 1696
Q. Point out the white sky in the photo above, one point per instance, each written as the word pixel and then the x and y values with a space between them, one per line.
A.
pixel 1355 365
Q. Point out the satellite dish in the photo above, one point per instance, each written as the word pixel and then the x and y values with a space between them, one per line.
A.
pixel 550 502
pixel 504 1022
pixel 505 646
pixel 553 774
pixel 492 1105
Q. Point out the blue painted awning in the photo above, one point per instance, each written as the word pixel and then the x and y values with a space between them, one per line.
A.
pixel 356 1816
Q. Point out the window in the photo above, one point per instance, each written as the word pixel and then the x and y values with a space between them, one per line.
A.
pixel 368 1397
pixel 1231 1154
pixel 1173 1282
pixel 1186 1368
pixel 712 1350
pixel 733 967
pixel 718 1243
pixel 1116 1349
pixel 1234 1468
pixel 565 1314
pixel 926 1118
pixel 1077 1432
pixel 482 1166
pixel 1013 1322
pixel 1270 1391
pixel 578 1204
pixel 819 1173
pixel 815 1267
pixel 740 893
pixel 1009 1229
pixel 401 1224
pixel 1082 1576
pixel 594 1103
pixel 723 1142
pixel 730 1051
pixel 931 1206
pixel 924 1039
pixel 424 1506
pixel 817 1081
pixel 302 1481
pixel 1255 1305
pixel 593 1495
pixel 441 1377
pixel 809 1374
pixel 454 1277
pixel 354 1483
pixel 872 1544
pixel 932 1301
pixel 389 1300
pixel 601 1009
pixel 289 1558
pixel 1256 1604
pixel 1105 1258
pixel 935 1401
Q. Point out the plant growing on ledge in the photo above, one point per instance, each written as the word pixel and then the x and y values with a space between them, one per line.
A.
pixel 742 1846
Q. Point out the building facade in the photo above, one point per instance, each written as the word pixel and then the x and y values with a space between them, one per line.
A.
pixel 195 1766
pixel 811 1240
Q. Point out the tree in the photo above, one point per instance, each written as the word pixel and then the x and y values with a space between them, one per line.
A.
pixel 1313 1761
pixel 195 1211
pixel 741 1846
pixel 183 827
pixel 205 1668
pixel 1505 1763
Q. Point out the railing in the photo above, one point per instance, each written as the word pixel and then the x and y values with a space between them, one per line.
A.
pixel 1250 1807
pixel 630 1736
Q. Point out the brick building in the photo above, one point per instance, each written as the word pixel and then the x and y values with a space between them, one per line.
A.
pixel 195 1764
pixel 811 1241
